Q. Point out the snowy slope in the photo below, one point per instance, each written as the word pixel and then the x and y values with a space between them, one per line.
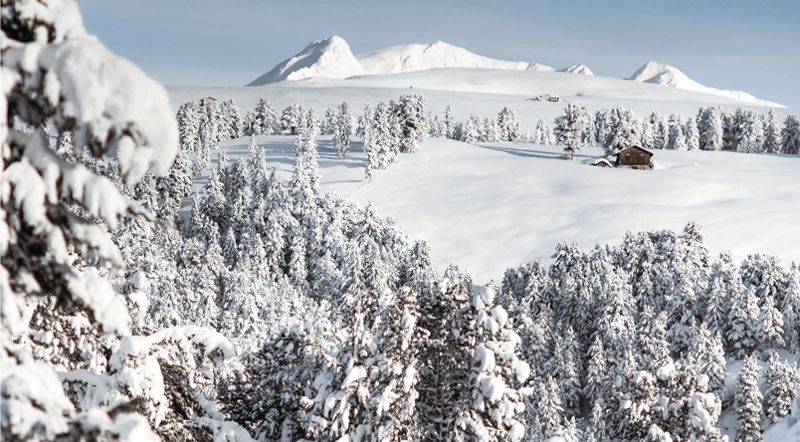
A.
pixel 420 57
pixel 490 207
pixel 330 58
pixel 666 75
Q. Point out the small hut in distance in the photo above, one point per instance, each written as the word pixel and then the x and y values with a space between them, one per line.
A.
pixel 635 157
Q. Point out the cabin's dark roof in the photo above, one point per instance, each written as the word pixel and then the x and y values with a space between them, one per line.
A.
pixel 647 151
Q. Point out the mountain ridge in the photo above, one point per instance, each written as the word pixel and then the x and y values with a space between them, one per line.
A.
pixel 333 58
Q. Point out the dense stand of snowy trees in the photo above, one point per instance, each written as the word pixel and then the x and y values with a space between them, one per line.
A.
pixel 77 362
pixel 271 311
pixel 712 129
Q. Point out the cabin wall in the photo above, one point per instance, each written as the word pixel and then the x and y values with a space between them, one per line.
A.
pixel 633 158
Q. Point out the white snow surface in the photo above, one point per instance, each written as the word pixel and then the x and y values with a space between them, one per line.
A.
pixel 788 428
pixel 488 207
pixel 420 57
pixel 666 75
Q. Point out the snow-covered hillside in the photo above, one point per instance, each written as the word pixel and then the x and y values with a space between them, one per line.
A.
pixel 666 75
pixel 473 91
pixel 492 206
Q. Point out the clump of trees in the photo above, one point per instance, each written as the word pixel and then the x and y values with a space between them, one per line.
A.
pixel 712 129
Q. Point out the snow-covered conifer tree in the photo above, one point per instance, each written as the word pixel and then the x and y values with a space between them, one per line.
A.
pixel 781 387
pixel 692 134
pixel 448 123
pixel 751 138
pixel 261 120
pixel 446 359
pixel 549 412
pixel 569 129
pixel 472 131
pixel 497 373
pixel 790 135
pixel 660 131
pixel 394 372
pixel 748 403
pixel 772 134
pixel 622 130
pixel 543 134
pixel 490 130
pixel 770 325
pixel 60 269
pixel 508 126
pixel 291 119
pixel 710 126
pixel 342 130
pixel 232 118
pixel 743 317
pixel 791 310
pixel 677 138
pixel 328 122
pixel 410 112
pixel 188 118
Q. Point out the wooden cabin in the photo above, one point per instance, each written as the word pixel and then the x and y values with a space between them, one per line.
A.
pixel 546 97
pixel 635 157
pixel 205 101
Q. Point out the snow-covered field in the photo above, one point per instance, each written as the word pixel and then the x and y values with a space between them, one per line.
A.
pixel 474 91
pixel 488 207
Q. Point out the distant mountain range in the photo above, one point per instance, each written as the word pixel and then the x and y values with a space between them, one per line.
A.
pixel 332 58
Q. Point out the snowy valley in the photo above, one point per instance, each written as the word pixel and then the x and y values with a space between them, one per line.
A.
pixel 417 243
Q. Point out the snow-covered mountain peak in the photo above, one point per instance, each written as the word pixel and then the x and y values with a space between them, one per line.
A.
pixel 667 75
pixel 329 58
pixel 580 69
pixel 332 58
pixel 663 74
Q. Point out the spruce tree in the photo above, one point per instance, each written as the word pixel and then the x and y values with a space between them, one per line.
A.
pixel 743 317
pixel 677 138
pixel 549 412
pixel 472 132
pixel 342 130
pixel 410 112
pixel 569 130
pixel 692 135
pixel 770 325
pixel 497 373
pixel 508 126
pixel 748 403
pixel 790 135
pixel 772 134
pixel 448 123
pixel 781 387
pixel 751 133
pixel 622 130
pixel 710 127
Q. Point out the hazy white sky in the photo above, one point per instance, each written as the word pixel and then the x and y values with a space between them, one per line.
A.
pixel 751 46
